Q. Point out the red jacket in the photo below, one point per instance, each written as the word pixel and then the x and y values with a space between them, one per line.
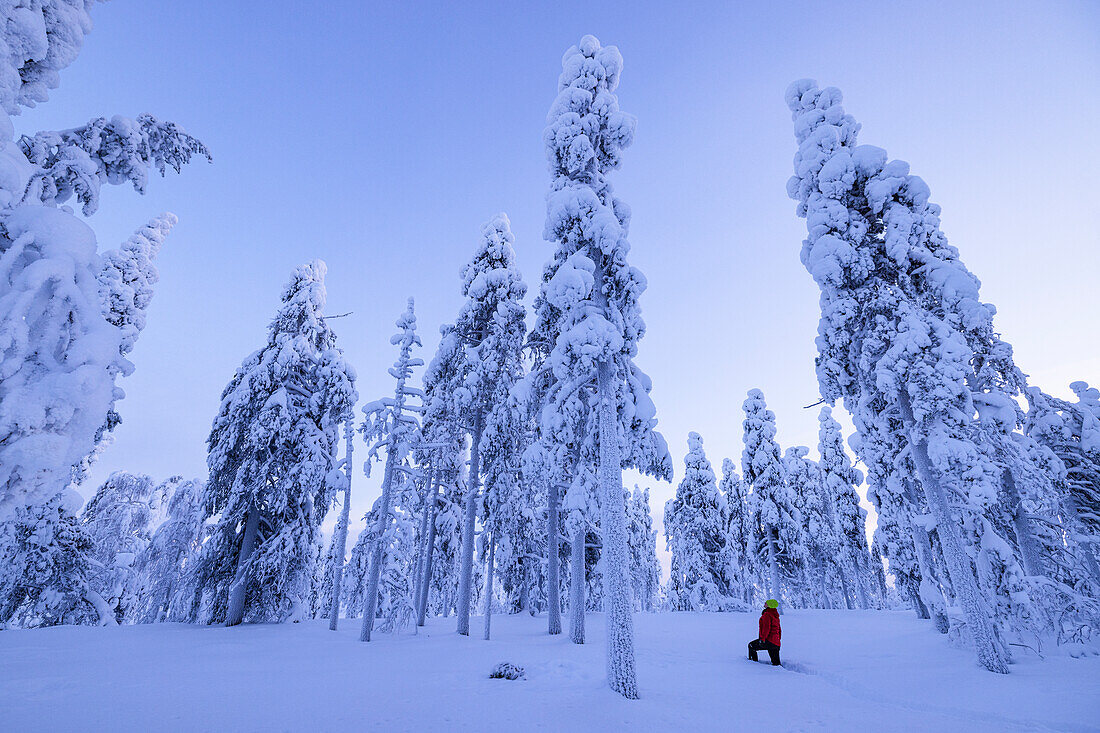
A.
pixel 769 626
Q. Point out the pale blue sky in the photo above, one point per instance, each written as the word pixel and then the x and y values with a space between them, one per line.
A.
pixel 378 136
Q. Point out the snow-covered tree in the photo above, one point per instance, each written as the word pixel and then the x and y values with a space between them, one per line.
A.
pixel 273 463
pixel 1071 430
pixel 696 528
pixel 120 518
pixel 390 425
pixel 490 326
pixel 645 569
pixel 59 356
pixel 333 583
pixel 739 557
pixel 46 556
pixel 441 462
pixel 906 342
pixel 776 524
pixel 848 519
pixel 817 546
pixel 592 293
pixel 161 567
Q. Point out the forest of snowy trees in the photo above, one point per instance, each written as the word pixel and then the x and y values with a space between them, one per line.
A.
pixel 501 455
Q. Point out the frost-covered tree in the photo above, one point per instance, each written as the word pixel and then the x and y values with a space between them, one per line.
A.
pixel 333 584
pixel 1071 430
pixel 46 556
pixel 905 340
pixel 645 569
pixel 273 463
pixel 696 528
pixel 490 327
pixel 390 425
pixel 818 546
pixel 120 518
pixel 776 524
pixel 161 567
pixel 839 477
pixel 442 431
pixel 59 356
pixel 593 293
pixel 739 557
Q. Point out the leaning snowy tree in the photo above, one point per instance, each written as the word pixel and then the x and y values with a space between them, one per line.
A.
pixel 906 342
pixel 390 426
pixel 273 463
pixel 490 326
pixel 59 353
pixel 595 293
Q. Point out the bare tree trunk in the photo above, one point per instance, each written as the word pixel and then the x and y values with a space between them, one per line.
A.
pixel 576 587
pixel 370 607
pixel 982 629
pixel 823 585
pixel 844 586
pixel 489 585
pixel 341 539
pixel 1030 555
pixel 466 567
pixel 235 611
pixel 773 569
pixel 429 553
pixel 618 608
pixel 553 562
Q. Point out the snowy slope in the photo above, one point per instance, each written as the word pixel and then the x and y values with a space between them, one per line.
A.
pixel 873 670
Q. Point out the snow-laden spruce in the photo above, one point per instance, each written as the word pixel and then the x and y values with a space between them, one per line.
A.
pixel 645 569
pixel 739 557
pixel 120 518
pixel 592 296
pixel 443 462
pixel 844 517
pixel 273 464
pixel 776 524
pixel 59 356
pixel 160 570
pixel 489 326
pixel 696 531
pixel 390 425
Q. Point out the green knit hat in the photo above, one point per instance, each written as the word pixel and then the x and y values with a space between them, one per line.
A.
pixel 771 603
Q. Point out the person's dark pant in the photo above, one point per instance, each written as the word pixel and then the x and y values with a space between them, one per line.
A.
pixel 756 645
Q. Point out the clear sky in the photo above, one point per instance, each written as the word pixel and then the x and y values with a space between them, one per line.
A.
pixel 379 136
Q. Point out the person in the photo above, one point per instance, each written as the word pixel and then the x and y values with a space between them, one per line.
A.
pixel 769 633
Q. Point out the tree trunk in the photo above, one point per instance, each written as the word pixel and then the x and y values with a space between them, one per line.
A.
pixel 844 586
pixel 370 607
pixel 618 609
pixel 341 539
pixel 466 566
pixel 489 585
pixel 978 621
pixel 823 584
pixel 861 581
pixel 235 608
pixel 915 599
pixel 773 569
pixel 553 563
pixel 426 582
pixel 421 543
pixel 1030 555
pixel 576 587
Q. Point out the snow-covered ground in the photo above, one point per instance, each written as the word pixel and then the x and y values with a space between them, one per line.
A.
pixel 874 670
